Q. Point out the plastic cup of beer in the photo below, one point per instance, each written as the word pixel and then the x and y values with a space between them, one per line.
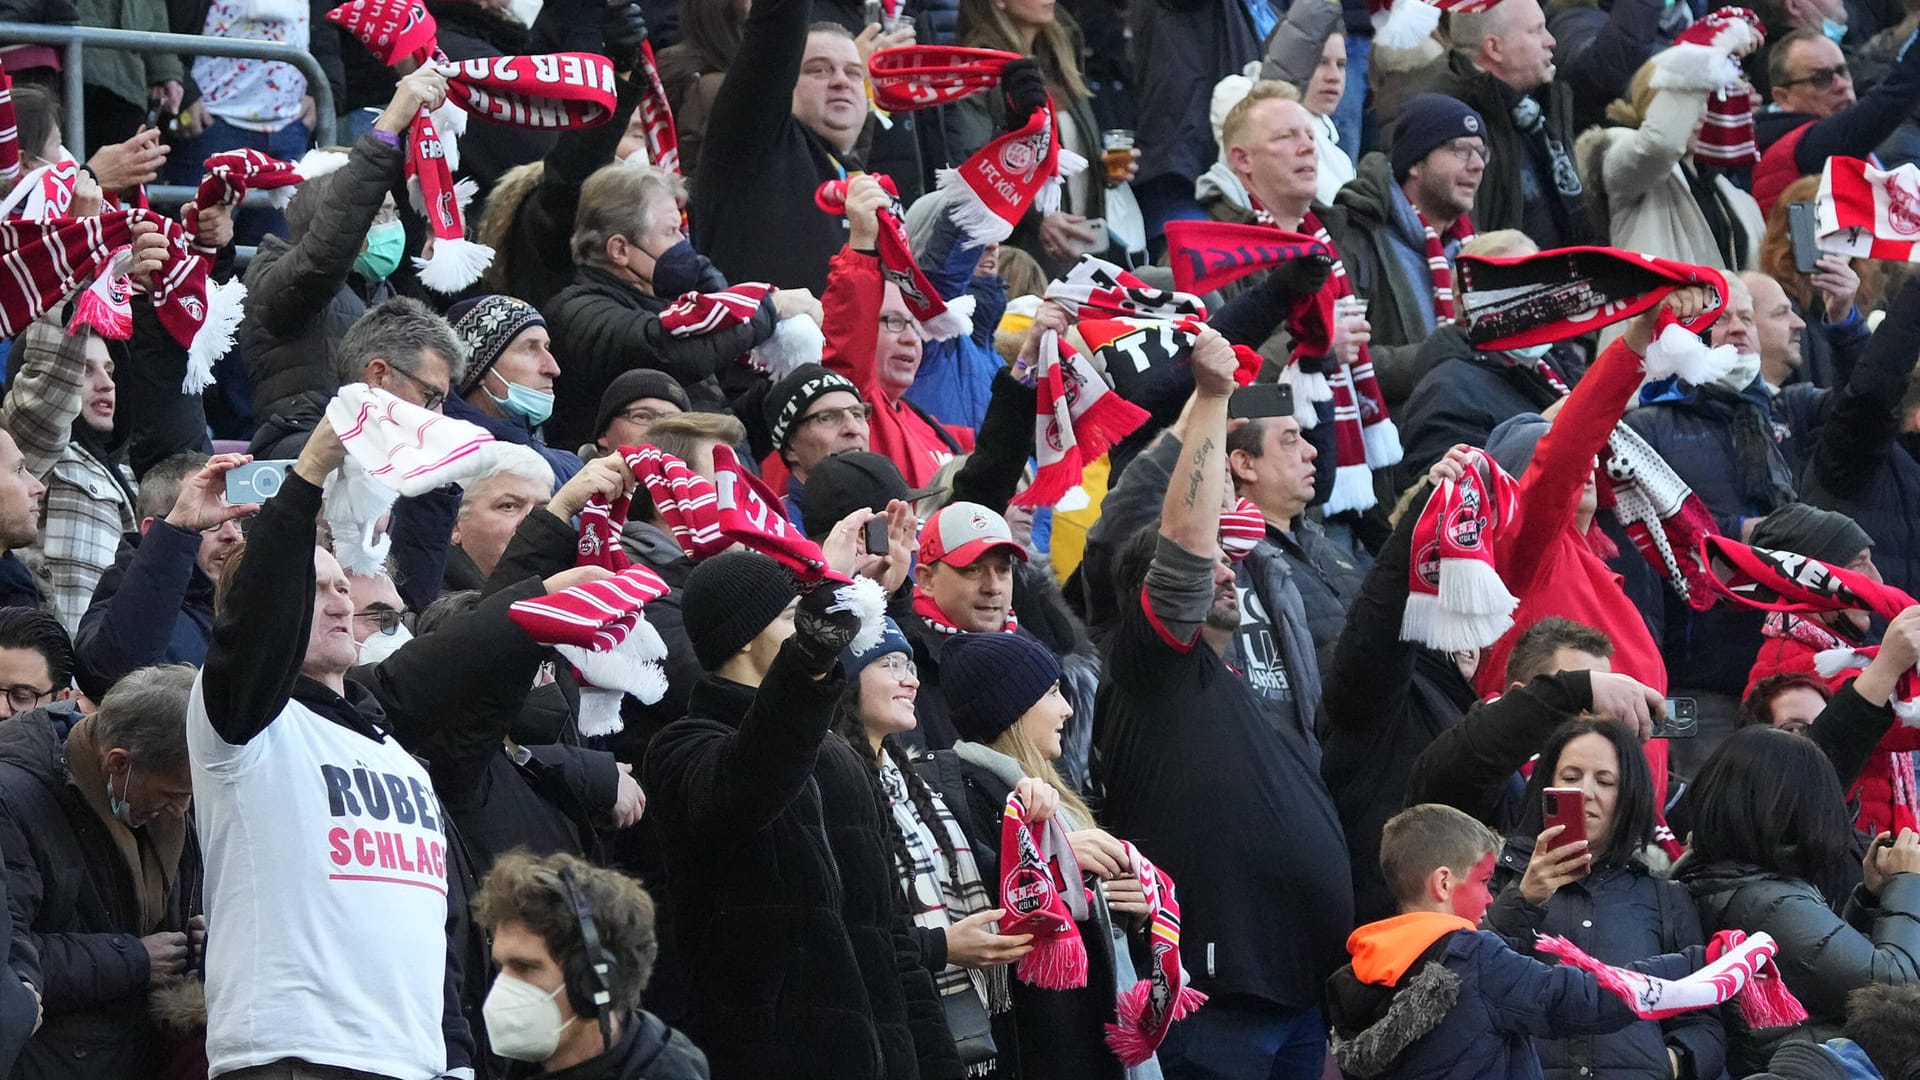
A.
pixel 1116 145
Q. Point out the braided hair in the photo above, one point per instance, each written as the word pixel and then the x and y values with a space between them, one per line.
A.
pixel 848 724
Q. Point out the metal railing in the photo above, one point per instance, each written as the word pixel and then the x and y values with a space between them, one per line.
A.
pixel 72 39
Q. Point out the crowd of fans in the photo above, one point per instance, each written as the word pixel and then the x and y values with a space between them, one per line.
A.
pixel 295 789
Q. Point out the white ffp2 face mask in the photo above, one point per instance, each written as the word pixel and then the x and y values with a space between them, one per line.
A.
pixel 523 1021
pixel 379 646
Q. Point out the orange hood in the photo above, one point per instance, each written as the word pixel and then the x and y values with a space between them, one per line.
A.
pixel 1383 951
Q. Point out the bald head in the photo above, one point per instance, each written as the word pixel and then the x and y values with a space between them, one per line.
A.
pixel 1776 327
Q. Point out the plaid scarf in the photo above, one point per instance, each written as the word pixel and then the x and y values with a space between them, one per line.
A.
pixel 656 115
pixel 1016 171
pixel 1041 890
pixel 1437 265
pixel 1726 137
pixel 1661 514
pixel 1739 967
pixel 1865 212
pixel 1455 597
pixel 939 893
pixel 929 611
pixel 1078 418
pixel 47 260
pixel 939 318
pixel 1147 1008
pixel 554 91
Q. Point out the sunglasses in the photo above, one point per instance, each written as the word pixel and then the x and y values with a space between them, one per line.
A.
pixel 1820 78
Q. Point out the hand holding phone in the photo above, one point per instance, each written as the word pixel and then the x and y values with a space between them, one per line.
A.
pixel 1681 722
pixel 876 535
pixel 1801 229
pixel 1560 853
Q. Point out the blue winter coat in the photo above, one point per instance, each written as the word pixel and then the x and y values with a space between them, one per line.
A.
pixel 512 429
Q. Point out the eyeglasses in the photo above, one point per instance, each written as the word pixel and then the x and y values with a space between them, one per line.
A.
pixel 24 697
pixel 1820 78
pixel 1468 149
pixel 895 323
pixel 435 396
pixel 899 665
pixel 834 417
pixel 385 619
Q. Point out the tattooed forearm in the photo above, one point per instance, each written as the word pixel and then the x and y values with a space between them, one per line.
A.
pixel 1198 472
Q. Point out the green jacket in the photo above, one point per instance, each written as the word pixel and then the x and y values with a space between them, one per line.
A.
pixel 127 75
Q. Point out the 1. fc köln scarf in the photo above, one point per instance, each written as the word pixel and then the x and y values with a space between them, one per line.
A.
pixel 45 261
pixel 1802 585
pixel 796 339
pixel 1364 436
pixel 1079 418
pixel 939 318
pixel 1509 303
pixel 1150 1006
pixel 1739 968
pixel 1455 598
pixel 1041 891
pixel 556 91
pixel 1726 137
pixel 1017 171
pixel 1096 289
pixel 656 115
pixel 1864 212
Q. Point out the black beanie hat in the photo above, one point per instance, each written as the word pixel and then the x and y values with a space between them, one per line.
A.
pixel 790 398
pixel 991 680
pixel 630 386
pixel 729 599
pixel 1427 122
pixel 1827 535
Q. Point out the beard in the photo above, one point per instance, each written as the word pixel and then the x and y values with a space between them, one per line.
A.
pixel 1225 613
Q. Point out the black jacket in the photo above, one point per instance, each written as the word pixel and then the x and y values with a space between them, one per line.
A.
pixel 1599 47
pixel 1865 463
pixel 603 326
pixel 1462 395
pixel 782 950
pixel 1182 47
pixel 1385 701
pixel 152 606
pixel 74 903
pixel 1618 914
pixel 1471 766
pixel 647 1049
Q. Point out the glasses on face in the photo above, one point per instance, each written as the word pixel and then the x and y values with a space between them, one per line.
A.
pixel 1820 78
pixel 835 417
pixel 895 323
pixel 385 619
pixel 23 697
pixel 898 665
pixel 1468 149
pixel 435 397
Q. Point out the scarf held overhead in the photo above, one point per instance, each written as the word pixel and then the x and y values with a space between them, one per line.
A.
pixel 1865 212
pixel 1455 597
pixel 939 318
pixel 1079 417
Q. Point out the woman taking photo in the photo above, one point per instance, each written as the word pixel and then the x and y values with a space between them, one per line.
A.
pixel 1035 28
pixel 1770 853
pixel 953 906
pixel 1003 696
pixel 1600 895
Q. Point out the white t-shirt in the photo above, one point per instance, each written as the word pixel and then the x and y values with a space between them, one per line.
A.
pixel 258 95
pixel 326 896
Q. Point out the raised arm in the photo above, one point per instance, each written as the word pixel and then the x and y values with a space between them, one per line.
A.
pixel 1857 129
pixel 1633 166
pixel 756 100
pixel 1190 512
pixel 1865 417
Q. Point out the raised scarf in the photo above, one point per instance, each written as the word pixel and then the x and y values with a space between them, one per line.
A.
pixel 1865 212
pixel 1078 418
pixel 1016 171
pixel 939 318
pixel 656 115
pixel 1093 288
pixel 1726 136
pixel 1137 354
pixel 1166 994
pixel 546 92
pixel 1364 436
pixel 1455 597
pixel 1040 889
pixel 1739 968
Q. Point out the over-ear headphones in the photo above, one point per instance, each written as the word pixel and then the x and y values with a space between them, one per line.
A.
pixel 589 977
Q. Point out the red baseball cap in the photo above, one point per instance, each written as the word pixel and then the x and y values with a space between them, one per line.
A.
pixel 959 533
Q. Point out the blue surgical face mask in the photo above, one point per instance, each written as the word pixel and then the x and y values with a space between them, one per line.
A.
pixel 1531 352
pixel 386 243
pixel 118 807
pixel 677 270
pixel 533 406
pixel 1833 30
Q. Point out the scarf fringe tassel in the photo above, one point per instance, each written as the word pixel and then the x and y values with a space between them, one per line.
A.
pixel 1057 963
pixel 866 599
pixel 1128 1039
pixel 1679 351
pixel 1352 489
pixel 1409 22
pixel 955 321
pixel 226 306
pixel 1308 387
pixel 455 264
pixel 94 311
pixel 1431 623
pixel 1383 444
pixel 795 341
pixel 966 210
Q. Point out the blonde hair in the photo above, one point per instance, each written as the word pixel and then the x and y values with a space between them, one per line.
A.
pixel 985 25
pixel 1234 127
pixel 1631 111
pixel 1014 743
pixel 613 202
pixel 1500 243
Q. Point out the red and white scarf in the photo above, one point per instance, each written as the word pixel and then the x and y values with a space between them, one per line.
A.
pixel 928 609
pixel 1796 584
pixel 1146 1009
pixel 558 91
pixel 1364 436
pixel 1865 212
pixel 46 261
pixel 1079 417
pixel 45 193
pixel 1455 597
pixel 938 317
pixel 1096 289
pixel 1040 889
pixel 9 133
pixel 656 115
pixel 1242 527
pixel 1017 171
pixel 709 516
pixel 1207 255
pixel 1726 137
pixel 1740 967
pixel 230 174
pixel 1664 518
pixel 796 339
pixel 1438 267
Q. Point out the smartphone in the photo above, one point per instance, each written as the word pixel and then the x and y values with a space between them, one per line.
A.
pixel 1682 722
pixel 877 536
pixel 256 481
pixel 1564 806
pixel 1806 244
pixel 1260 399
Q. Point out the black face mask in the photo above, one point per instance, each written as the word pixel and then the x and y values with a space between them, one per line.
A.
pixel 678 270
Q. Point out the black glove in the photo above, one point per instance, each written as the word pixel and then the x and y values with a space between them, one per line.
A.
pixel 623 29
pixel 1303 276
pixel 818 634
pixel 1024 89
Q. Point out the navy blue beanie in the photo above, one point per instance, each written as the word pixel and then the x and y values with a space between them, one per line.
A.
pixel 1428 121
pixel 991 680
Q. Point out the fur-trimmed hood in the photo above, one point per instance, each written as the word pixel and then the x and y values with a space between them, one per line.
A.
pixel 1403 1015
